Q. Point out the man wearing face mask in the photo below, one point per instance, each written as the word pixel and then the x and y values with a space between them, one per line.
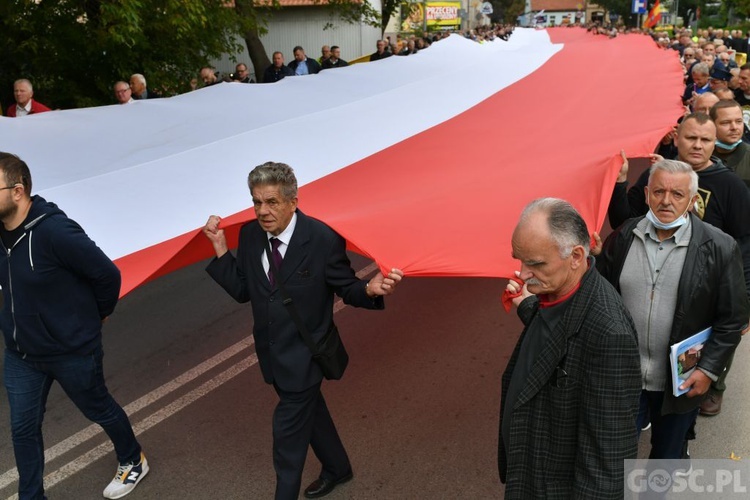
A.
pixel 723 199
pixel 677 276
pixel 727 115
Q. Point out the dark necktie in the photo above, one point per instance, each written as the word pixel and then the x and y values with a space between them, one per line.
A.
pixel 277 258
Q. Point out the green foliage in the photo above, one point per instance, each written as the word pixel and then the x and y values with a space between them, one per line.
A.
pixel 621 7
pixel 74 50
pixel 389 8
pixel 513 9
pixel 741 8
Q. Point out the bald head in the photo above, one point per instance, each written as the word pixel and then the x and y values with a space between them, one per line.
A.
pixel 704 102
pixel 552 243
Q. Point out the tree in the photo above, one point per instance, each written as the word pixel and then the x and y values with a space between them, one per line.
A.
pixel 253 16
pixel 620 7
pixel 389 8
pixel 74 50
pixel 508 10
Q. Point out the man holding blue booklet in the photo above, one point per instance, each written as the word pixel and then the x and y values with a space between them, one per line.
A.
pixel 677 276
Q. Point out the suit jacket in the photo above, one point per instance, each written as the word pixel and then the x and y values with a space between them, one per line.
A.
pixel 315 267
pixel 568 439
pixel 36 107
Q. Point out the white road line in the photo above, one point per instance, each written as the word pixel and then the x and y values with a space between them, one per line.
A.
pixel 92 430
pixel 339 304
pixel 89 432
pixel 103 449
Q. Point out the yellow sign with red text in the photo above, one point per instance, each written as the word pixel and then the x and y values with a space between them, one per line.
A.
pixel 439 14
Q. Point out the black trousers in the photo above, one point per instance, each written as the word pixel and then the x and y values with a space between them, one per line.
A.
pixel 301 419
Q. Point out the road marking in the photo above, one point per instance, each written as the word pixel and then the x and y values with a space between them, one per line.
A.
pixel 93 430
pixel 339 304
pixel 106 448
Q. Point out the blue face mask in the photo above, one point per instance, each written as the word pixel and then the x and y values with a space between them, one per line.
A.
pixel 678 222
pixel 666 226
pixel 730 147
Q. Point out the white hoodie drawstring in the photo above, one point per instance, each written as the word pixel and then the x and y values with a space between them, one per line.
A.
pixel 31 259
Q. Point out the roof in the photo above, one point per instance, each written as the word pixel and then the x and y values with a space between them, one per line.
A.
pixel 301 3
pixel 554 5
pixel 289 3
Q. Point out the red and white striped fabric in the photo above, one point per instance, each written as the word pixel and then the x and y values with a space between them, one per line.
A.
pixel 421 162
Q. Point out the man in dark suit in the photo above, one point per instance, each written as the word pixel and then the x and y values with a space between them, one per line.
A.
pixel 570 391
pixel 314 266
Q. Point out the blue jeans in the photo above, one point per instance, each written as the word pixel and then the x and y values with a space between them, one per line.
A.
pixel 82 378
pixel 668 432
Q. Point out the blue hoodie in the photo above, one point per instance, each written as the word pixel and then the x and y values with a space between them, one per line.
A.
pixel 58 286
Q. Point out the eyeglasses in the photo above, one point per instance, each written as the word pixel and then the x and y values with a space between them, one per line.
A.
pixel 10 187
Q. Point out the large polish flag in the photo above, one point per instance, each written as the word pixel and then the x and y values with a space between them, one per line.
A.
pixel 422 162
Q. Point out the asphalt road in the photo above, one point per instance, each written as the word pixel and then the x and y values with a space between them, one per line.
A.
pixel 417 409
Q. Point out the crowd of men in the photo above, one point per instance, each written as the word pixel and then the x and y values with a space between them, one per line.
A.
pixel 575 402
pixel 591 369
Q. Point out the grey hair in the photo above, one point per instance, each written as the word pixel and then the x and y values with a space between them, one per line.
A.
pixel 139 77
pixel 24 80
pixel 566 226
pixel 675 167
pixel 701 69
pixel 275 174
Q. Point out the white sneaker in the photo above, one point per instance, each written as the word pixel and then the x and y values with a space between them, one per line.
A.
pixel 685 459
pixel 126 478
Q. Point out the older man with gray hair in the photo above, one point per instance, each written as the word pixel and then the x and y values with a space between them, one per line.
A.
pixel 23 92
pixel 699 75
pixel 677 276
pixel 123 93
pixel 140 89
pixel 570 390
pixel 289 266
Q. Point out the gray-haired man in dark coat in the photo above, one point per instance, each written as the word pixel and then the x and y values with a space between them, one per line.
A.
pixel 570 391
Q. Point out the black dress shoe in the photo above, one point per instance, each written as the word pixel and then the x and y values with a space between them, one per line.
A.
pixel 321 487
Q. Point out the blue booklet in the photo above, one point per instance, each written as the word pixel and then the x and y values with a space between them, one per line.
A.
pixel 684 357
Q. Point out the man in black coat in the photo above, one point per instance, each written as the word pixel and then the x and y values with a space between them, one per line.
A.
pixel 314 267
pixel 277 70
pixel 723 201
pixel 139 88
pixel 380 52
pixel 334 60
pixel 303 65
pixel 677 276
